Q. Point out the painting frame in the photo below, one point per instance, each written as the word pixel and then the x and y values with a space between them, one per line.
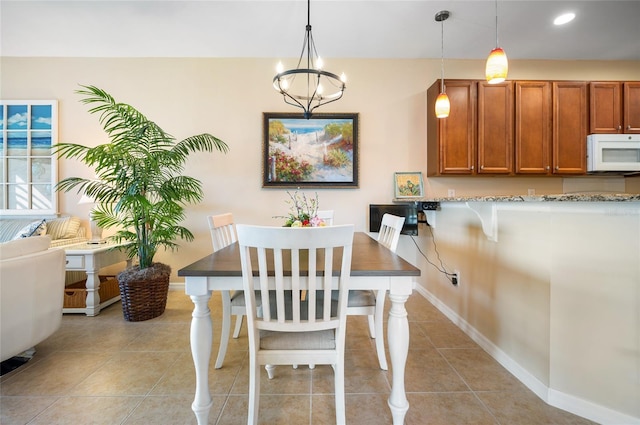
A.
pixel 297 154
pixel 414 190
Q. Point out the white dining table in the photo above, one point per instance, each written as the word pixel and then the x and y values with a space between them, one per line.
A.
pixel 372 267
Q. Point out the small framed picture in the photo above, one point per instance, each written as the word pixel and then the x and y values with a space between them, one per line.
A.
pixel 409 185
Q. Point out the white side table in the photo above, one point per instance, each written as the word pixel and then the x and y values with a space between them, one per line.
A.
pixel 90 258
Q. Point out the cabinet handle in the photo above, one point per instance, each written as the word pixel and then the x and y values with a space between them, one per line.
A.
pixel 557 168
pixel 471 168
pixel 547 168
pixel 482 167
pixel 619 127
pixel 629 127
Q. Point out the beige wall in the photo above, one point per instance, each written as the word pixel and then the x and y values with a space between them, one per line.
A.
pixel 227 97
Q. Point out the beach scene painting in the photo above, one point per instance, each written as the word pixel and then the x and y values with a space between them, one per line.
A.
pixel 317 152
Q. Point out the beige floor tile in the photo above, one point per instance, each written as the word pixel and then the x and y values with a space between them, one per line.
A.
pixel 20 410
pixel 524 408
pixel 162 337
pixel 181 376
pixel 127 373
pixel 143 373
pixel 274 410
pixel 56 374
pixel 427 371
pixel 447 409
pixel 171 410
pixel 480 371
pixel 87 410
pixel 446 335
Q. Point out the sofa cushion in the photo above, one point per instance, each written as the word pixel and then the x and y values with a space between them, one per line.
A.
pixel 63 227
pixel 35 228
pixel 23 246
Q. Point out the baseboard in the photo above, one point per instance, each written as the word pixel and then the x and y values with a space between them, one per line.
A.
pixel 176 286
pixel 567 402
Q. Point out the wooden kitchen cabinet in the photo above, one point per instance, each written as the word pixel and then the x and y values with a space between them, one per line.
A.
pixel 495 128
pixel 533 127
pixel 614 107
pixel 451 141
pixel 569 120
pixel 631 107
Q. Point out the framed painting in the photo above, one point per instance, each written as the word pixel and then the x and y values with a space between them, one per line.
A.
pixel 409 185
pixel 318 152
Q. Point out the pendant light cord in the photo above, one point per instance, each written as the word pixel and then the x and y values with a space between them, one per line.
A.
pixel 497 45
pixel 442 56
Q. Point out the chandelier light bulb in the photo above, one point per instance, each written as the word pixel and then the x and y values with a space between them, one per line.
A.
pixel 319 63
pixel 343 77
pixel 443 107
pixel 279 67
pixel 284 84
pixel 319 90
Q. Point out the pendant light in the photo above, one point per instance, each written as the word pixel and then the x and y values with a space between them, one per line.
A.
pixel 308 86
pixel 497 64
pixel 442 101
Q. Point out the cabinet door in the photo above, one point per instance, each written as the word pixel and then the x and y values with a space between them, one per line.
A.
pixel 631 108
pixel 451 140
pixel 495 128
pixel 533 127
pixel 605 103
pixel 569 127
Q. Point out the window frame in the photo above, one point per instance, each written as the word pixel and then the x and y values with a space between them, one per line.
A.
pixel 11 203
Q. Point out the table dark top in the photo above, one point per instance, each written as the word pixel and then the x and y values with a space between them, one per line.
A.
pixel 369 258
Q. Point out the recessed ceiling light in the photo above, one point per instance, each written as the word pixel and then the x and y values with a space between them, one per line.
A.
pixel 564 18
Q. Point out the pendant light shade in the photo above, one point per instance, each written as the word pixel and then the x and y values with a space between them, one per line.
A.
pixel 443 107
pixel 497 63
pixel 497 66
pixel 442 101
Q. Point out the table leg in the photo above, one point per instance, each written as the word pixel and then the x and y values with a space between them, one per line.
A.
pixel 201 339
pixel 93 294
pixel 398 337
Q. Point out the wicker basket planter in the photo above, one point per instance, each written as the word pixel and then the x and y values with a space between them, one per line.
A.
pixel 144 292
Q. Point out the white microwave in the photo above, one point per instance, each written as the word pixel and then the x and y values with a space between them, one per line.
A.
pixel 613 153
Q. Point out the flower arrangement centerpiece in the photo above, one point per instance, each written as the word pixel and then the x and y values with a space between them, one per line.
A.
pixel 303 211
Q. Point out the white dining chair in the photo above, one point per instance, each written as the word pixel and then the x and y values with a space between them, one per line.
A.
pixel 292 331
pixel 223 234
pixel 371 303
pixel 326 216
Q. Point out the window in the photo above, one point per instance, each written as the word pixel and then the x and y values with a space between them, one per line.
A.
pixel 28 167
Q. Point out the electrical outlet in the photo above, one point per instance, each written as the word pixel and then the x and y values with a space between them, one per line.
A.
pixel 455 279
pixel 451 193
pixel 531 192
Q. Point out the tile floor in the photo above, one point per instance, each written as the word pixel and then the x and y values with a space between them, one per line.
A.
pixel 103 370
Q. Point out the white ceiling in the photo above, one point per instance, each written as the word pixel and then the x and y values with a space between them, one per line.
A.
pixel 602 30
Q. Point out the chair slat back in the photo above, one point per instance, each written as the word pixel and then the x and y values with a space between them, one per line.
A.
pixel 326 216
pixel 222 230
pixel 390 229
pixel 288 262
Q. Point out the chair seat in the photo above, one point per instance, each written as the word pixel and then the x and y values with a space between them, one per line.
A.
pixel 318 340
pixel 237 299
pixel 358 298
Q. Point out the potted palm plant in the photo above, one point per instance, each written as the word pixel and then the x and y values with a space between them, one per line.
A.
pixel 140 190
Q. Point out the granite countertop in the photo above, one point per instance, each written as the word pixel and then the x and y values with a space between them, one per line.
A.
pixel 565 197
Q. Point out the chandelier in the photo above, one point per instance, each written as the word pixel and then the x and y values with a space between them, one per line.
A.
pixel 308 86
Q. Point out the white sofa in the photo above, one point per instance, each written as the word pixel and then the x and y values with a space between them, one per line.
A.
pixel 31 293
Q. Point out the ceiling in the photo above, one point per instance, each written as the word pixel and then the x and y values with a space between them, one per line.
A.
pixel 602 30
